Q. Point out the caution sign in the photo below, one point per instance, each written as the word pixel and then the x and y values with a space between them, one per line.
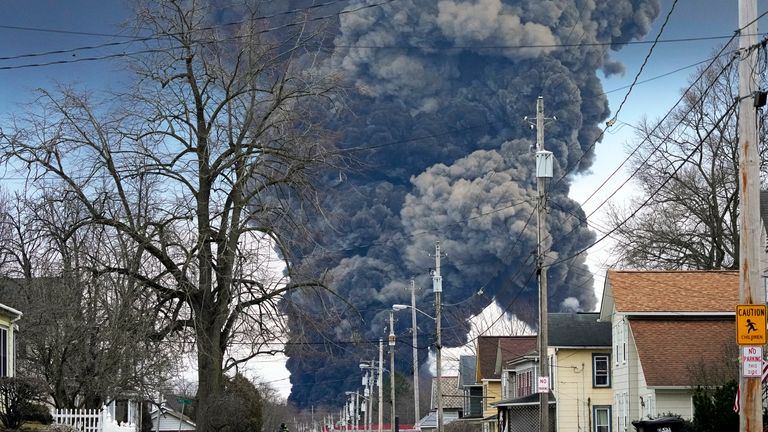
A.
pixel 750 324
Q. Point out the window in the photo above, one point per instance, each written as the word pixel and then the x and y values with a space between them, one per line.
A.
pixel 601 418
pixel 3 352
pixel 617 338
pixel 601 372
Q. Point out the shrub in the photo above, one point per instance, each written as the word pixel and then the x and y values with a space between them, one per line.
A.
pixel 39 413
pixel 17 397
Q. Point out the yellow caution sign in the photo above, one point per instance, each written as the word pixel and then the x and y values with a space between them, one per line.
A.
pixel 750 324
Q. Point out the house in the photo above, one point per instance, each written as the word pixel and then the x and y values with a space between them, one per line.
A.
pixel 518 411
pixel 167 419
pixel 453 403
pixel 492 353
pixel 580 361
pixel 472 391
pixel 8 329
pixel 665 326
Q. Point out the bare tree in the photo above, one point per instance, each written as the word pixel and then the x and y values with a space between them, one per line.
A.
pixel 85 334
pixel 686 166
pixel 197 170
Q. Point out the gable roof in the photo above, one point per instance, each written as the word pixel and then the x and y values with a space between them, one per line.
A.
pixel 467 370
pixel 696 342
pixel 453 397
pixel 670 291
pixel 178 422
pixel 578 330
pixel 508 347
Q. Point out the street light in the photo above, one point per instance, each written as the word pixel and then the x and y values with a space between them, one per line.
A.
pixel 399 307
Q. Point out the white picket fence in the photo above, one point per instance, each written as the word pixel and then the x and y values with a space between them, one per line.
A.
pixel 90 420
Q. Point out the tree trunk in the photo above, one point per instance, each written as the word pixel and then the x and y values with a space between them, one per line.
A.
pixel 209 363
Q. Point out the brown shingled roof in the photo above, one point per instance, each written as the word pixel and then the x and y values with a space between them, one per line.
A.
pixel 670 348
pixel 453 397
pixel 510 347
pixel 674 291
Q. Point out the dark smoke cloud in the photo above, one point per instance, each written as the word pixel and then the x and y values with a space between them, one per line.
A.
pixel 438 86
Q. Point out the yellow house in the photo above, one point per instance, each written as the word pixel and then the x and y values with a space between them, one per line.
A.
pixel 8 327
pixel 492 353
pixel 580 379
pixel 580 359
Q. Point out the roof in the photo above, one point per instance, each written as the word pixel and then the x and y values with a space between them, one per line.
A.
pixel 429 421
pixel 508 347
pixel 7 310
pixel 467 370
pixel 578 330
pixel 180 418
pixel 696 342
pixel 453 397
pixel 670 291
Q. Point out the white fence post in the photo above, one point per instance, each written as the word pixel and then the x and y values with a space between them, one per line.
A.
pixel 90 420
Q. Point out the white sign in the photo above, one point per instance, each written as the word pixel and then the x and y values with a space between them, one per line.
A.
pixel 752 361
pixel 543 384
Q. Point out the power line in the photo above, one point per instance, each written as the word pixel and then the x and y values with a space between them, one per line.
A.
pixel 167 49
pixel 650 196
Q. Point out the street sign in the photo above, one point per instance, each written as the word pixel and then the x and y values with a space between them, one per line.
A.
pixel 183 401
pixel 543 384
pixel 750 324
pixel 752 361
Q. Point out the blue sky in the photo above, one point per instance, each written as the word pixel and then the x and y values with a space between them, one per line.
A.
pixel 691 19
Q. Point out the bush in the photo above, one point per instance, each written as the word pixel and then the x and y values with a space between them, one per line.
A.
pixel 713 408
pixel 39 413
pixel 17 399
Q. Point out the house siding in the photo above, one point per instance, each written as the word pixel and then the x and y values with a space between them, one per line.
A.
pixel 6 323
pixel 575 396
pixel 491 393
pixel 171 423
pixel 620 375
pixel 675 401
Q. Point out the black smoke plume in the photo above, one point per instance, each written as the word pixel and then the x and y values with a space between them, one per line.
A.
pixel 439 90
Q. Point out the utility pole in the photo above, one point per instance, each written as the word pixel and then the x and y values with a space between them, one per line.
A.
pixel 392 366
pixel 367 394
pixel 750 287
pixel 415 355
pixel 544 164
pixel 437 287
pixel 381 381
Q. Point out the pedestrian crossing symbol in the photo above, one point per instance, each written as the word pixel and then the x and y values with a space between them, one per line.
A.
pixel 750 324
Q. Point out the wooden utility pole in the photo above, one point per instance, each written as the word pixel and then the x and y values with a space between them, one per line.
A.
pixel 544 165
pixel 414 338
pixel 381 382
pixel 750 286
pixel 392 340
pixel 437 287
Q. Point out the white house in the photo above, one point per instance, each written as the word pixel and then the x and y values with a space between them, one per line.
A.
pixel 8 328
pixel 666 325
pixel 167 420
